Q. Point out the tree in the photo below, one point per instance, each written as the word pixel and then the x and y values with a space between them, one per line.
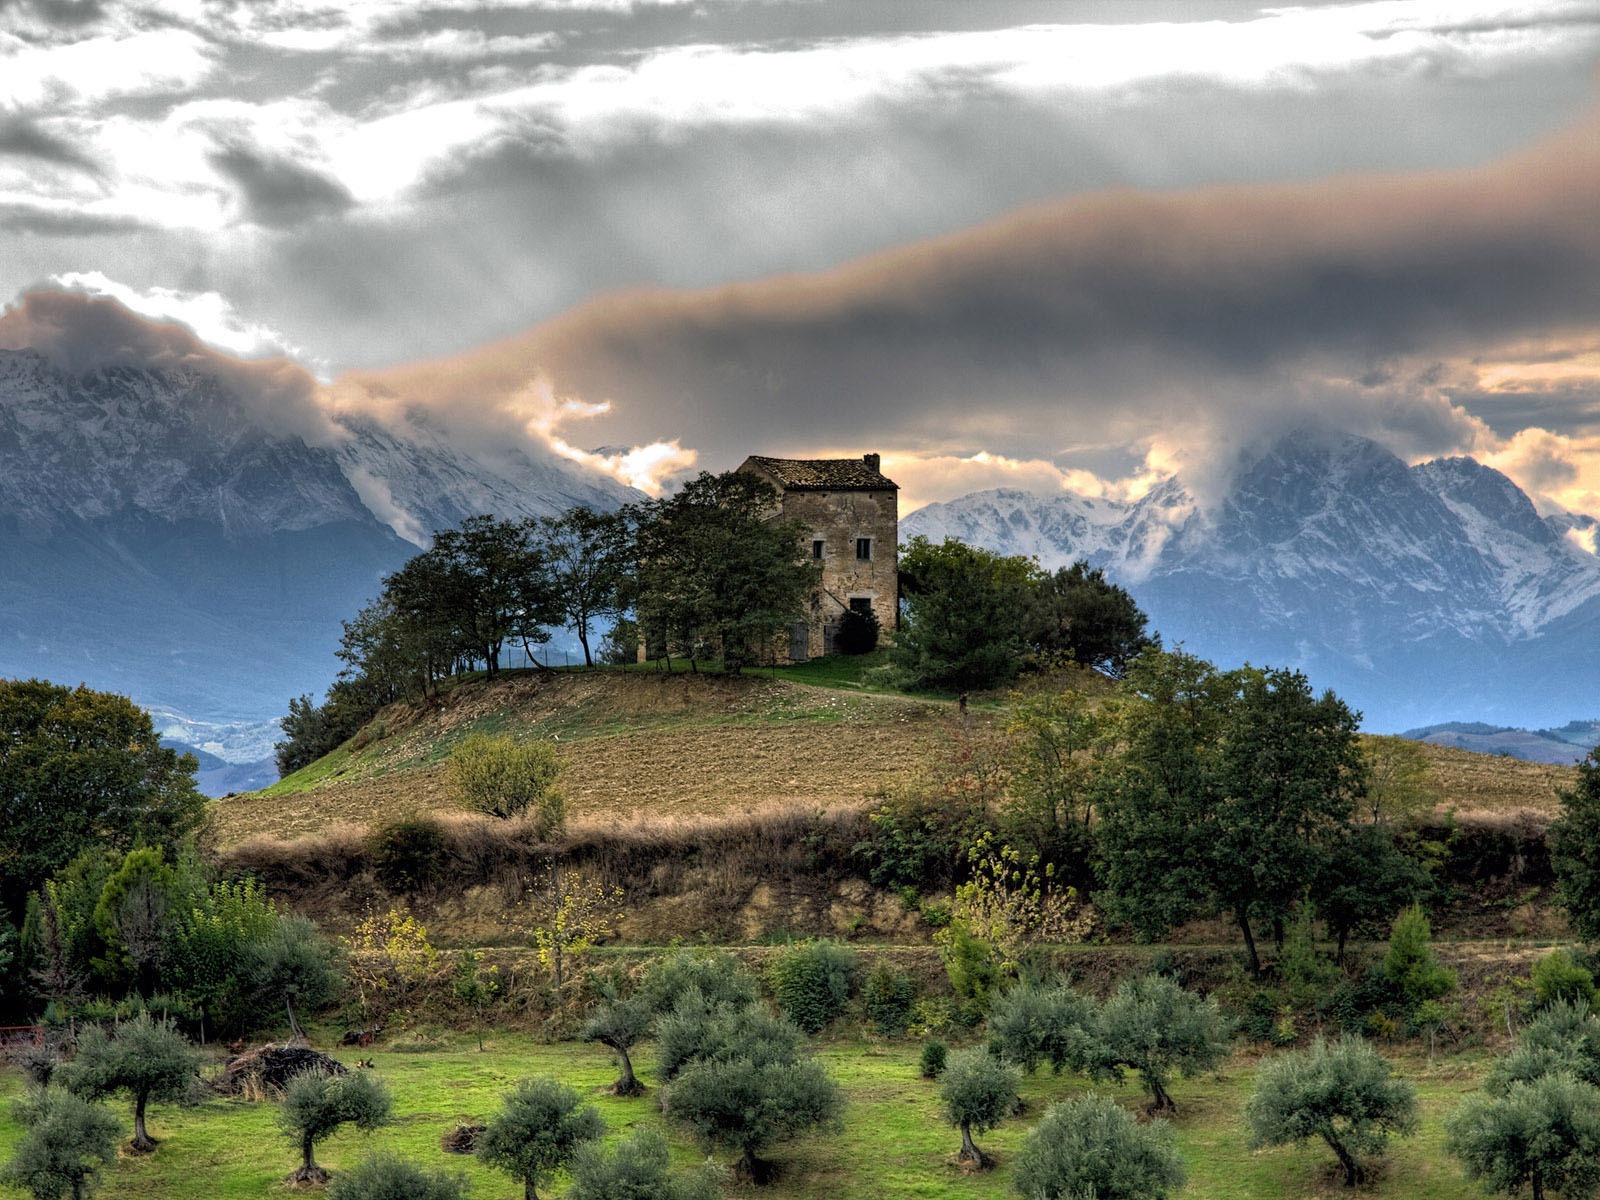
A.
pixel 741 1078
pixel 537 1131
pixel 1346 1095
pixel 978 1092
pixel 589 556
pixel 714 567
pixel 475 986
pixel 621 1024
pixel 1365 879
pixel 578 911
pixel 1558 976
pixel 1091 1147
pixel 145 1058
pixel 1045 1023
pixel 1575 849
pixel 1077 614
pixel 812 982
pixel 314 1105
pixel 1155 1027
pixel 1409 964
pixel 68 1140
pixel 134 917
pixel 964 621
pixel 636 1170
pixel 384 1177
pixel 389 956
pixel 1565 1036
pixel 1060 746
pixel 81 768
pixel 1543 1135
pixel 714 976
pixel 293 964
pixel 504 777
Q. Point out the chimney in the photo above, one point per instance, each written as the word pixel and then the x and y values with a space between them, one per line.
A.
pixel 872 461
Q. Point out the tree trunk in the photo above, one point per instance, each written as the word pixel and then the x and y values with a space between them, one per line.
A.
pixel 1250 945
pixel 1338 957
pixel 1352 1169
pixel 1162 1097
pixel 1537 1181
pixel 294 1026
pixel 969 1149
pixel 583 640
pixel 528 1192
pixel 142 1141
pixel 629 1084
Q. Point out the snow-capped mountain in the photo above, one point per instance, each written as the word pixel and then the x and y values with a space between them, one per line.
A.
pixel 166 535
pixel 1420 594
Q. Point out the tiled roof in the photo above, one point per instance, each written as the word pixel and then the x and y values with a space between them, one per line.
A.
pixel 826 474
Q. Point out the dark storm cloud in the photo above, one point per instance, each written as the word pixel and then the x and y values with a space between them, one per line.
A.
pixel 81 334
pixel 62 14
pixel 278 192
pixel 22 138
pixel 1214 311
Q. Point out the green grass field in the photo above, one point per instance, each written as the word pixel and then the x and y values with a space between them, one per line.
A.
pixel 893 1143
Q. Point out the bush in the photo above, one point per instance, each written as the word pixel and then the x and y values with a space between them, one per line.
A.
pixel 409 855
pixel 537 1132
pixel 1345 1095
pixel 503 777
pixel 1092 1147
pixel 1559 977
pixel 889 997
pixel 1562 1037
pixel 978 1091
pixel 858 632
pixel 636 1170
pixel 934 1056
pixel 1051 1023
pixel 1544 1135
pixel 812 982
pixel 716 978
pixel 387 1178
pixel 68 1140
pixel 1410 966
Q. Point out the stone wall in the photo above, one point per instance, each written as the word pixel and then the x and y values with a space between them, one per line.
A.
pixel 839 520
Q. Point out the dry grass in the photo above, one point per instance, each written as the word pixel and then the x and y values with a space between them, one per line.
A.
pixel 1483 784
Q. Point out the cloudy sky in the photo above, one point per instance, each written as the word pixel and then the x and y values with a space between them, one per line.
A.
pixel 1003 242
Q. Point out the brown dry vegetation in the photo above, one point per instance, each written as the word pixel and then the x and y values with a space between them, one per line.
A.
pixel 1476 785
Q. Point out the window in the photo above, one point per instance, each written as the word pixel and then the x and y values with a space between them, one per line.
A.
pixel 864 549
pixel 861 604
pixel 816 548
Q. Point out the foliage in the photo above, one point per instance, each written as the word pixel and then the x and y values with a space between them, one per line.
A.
pixel 963 626
pixel 621 1024
pixel 715 977
pixel 384 1177
pixel 389 955
pixel 888 997
pixel 1344 1094
pixel 215 950
pixel 504 777
pixel 921 833
pixel 145 1058
pixel 1060 745
pixel 1574 840
pixel 476 986
pixel 589 556
pixel 1154 1026
pixel 537 1131
pixel 714 568
pixel 971 964
pixel 1410 965
pixel 812 982
pixel 68 1140
pixel 312 730
pixel 637 1169
pixel 695 1031
pixel 409 855
pixel 1565 1036
pixel 1010 903
pixel 575 911
pixel 1091 1147
pixel 80 769
pixel 1544 1134
pixel 132 914
pixel 293 965
pixel 1078 615
pixel 1366 878
pixel 1560 977
pixel 978 1091
pixel 1045 1023
pixel 858 632
pixel 315 1104
pixel 933 1059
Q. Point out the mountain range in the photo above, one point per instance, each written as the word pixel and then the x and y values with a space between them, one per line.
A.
pixel 162 536
pixel 1421 594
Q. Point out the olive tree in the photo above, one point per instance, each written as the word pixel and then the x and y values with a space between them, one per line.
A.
pixel 1091 1147
pixel 144 1058
pixel 1051 1023
pixel 1155 1027
pixel 315 1104
pixel 1344 1094
pixel 384 1177
pixel 978 1091
pixel 637 1169
pixel 621 1024
pixel 537 1131
pixel 1543 1135
pixel 67 1141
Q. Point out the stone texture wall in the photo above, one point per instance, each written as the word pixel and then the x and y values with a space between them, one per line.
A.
pixel 838 520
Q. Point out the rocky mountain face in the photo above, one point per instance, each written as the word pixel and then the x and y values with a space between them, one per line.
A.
pixel 158 537
pixel 1420 594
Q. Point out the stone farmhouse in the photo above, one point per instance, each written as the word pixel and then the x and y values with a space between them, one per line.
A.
pixel 851 512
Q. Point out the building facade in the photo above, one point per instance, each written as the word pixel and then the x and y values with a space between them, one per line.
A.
pixel 851 513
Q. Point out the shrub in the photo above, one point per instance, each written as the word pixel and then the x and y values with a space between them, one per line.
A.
pixel 1560 977
pixel 385 1177
pixel 636 1170
pixel 1092 1147
pixel 812 982
pixel 1563 1037
pixel 978 1091
pixel 1345 1095
pixel 1410 966
pixel 503 777
pixel 68 1140
pixel 889 997
pixel 409 855
pixel 1051 1023
pixel 717 978
pixel 858 632
pixel 934 1056
pixel 537 1132
pixel 1544 1135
